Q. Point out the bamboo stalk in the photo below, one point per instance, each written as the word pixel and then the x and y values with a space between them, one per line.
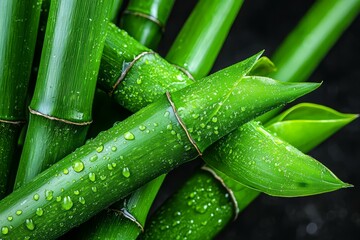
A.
pixel 204 36
pixel 114 11
pixel 18 27
pixel 128 220
pixel 313 37
pixel 111 166
pixel 145 20
pixel 318 15
pixel 60 110
pixel 203 206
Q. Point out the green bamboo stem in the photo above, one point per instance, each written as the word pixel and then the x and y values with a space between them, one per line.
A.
pixel 145 20
pixel 111 166
pixel 114 225
pixel 61 105
pixel 316 33
pixel 313 37
pixel 18 27
pixel 202 207
pixel 204 35
pixel 114 11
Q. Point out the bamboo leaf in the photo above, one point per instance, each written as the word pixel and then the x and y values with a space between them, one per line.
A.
pixel 262 161
pixel 306 118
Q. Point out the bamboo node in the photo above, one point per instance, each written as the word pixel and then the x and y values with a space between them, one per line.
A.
pixel 127 215
pixel 32 111
pixel 184 70
pixel 182 124
pixel 146 16
pixel 231 193
pixel 127 69
pixel 11 122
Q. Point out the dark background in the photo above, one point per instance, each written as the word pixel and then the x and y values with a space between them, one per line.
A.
pixel 263 24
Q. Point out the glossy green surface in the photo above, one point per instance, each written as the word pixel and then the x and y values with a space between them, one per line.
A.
pixel 70 60
pixel 202 203
pixel 242 194
pixel 308 119
pixel 316 33
pixel 213 26
pixel 148 78
pixel 146 20
pixel 18 28
pixel 259 160
pixel 111 224
pixel 209 117
pixel 109 167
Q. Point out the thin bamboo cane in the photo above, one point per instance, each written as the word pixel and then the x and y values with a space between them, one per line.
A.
pixel 18 27
pixel 60 110
pixel 145 20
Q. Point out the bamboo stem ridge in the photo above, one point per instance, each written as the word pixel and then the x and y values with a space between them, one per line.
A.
pixel 60 110
pixel 18 28
pixel 110 166
pixel 146 20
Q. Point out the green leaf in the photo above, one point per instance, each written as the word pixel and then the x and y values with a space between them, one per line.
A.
pixel 302 120
pixel 264 162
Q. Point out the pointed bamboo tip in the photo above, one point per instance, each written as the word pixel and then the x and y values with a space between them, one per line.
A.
pixel 347 185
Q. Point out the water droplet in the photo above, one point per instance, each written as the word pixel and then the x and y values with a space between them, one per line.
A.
pixel 126 172
pixel 173 132
pixel 78 166
pixel 113 149
pixel 204 223
pixel 26 238
pixel 195 115
pixel 214 119
pixel 202 125
pixel 155 124
pixel 113 164
pixel 243 109
pixel 82 200
pixel 110 166
pixel 66 171
pixel 94 189
pixel 201 209
pixel 29 224
pixel 39 212
pixel 92 177
pixel 36 196
pixel 169 127
pixel 9 218
pixel 76 192
pixel 138 81
pixel 129 136
pixel 102 177
pixel 93 158
pixel 100 148
pixel 4 230
pixel 166 114
pixel 142 127
pixel 67 203
pixel 58 198
pixel 18 212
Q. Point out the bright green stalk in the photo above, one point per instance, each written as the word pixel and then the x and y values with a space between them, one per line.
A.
pixel 314 36
pixel 316 33
pixel 111 166
pixel 212 27
pixel 146 20
pixel 18 28
pixel 114 11
pixel 113 224
pixel 203 206
pixel 61 105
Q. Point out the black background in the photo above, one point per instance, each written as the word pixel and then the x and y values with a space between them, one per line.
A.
pixel 263 24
